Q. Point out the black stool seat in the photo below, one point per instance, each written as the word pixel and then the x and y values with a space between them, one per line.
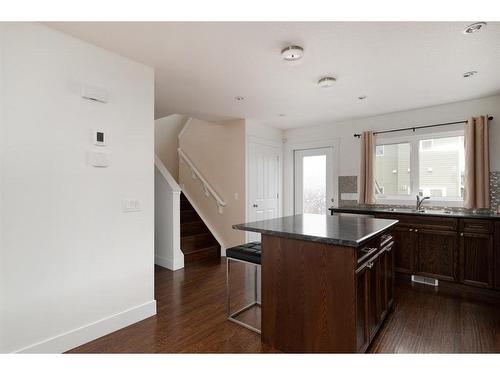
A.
pixel 249 252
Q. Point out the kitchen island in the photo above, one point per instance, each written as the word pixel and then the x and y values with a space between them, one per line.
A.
pixel 327 281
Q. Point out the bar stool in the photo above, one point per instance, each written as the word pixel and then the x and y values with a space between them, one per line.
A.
pixel 248 253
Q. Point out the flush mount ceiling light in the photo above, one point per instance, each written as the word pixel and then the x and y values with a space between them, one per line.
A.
pixel 239 98
pixel 281 115
pixel 292 53
pixel 362 97
pixel 326 82
pixel 470 74
pixel 474 27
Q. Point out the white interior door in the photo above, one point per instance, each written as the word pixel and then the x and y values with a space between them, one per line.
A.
pixel 263 183
pixel 313 180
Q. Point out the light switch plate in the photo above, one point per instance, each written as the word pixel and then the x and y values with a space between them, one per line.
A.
pixel 131 205
pixel 98 159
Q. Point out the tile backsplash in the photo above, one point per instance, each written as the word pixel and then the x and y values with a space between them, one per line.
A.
pixel 494 189
pixel 348 189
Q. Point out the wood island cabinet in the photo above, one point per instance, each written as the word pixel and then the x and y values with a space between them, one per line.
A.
pixel 374 292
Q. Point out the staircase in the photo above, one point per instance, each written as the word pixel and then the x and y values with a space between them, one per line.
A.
pixel 197 243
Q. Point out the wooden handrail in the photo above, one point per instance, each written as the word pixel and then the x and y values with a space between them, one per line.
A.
pixel 195 173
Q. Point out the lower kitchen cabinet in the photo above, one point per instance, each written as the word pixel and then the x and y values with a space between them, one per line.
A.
pixel 404 248
pixel 476 259
pixel 496 255
pixel 465 251
pixel 374 295
pixel 362 335
pixel 436 254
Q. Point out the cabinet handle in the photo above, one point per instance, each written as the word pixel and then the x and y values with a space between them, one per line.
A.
pixel 411 229
pixel 369 265
pixel 462 234
pixel 416 230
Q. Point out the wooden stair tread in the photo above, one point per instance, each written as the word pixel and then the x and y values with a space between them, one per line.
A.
pixel 196 235
pixel 197 242
pixel 208 248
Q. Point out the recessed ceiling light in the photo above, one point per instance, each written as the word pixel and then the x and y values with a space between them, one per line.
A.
pixel 281 115
pixel 362 97
pixel 292 53
pixel 469 74
pixel 239 98
pixel 474 27
pixel 326 82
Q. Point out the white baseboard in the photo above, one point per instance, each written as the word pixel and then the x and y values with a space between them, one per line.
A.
pixel 92 331
pixel 168 263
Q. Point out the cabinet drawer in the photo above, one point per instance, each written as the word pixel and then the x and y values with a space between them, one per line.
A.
pixel 476 226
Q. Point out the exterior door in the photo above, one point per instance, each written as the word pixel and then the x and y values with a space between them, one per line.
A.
pixel 313 180
pixel 263 183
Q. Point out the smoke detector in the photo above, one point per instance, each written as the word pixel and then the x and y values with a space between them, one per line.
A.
pixel 474 27
pixel 292 53
pixel 326 82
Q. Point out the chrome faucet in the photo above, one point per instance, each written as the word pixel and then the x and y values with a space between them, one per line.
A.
pixel 420 201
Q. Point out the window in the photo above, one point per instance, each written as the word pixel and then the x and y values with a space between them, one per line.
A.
pixel 392 170
pixel 433 166
pixel 379 151
pixel 442 167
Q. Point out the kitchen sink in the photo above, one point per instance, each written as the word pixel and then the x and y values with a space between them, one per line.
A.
pixel 423 211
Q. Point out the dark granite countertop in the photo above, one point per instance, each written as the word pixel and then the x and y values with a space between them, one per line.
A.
pixel 430 212
pixel 335 230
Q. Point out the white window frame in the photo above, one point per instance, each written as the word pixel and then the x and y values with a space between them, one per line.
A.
pixel 413 140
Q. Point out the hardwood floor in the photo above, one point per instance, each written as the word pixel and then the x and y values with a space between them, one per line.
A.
pixel 191 319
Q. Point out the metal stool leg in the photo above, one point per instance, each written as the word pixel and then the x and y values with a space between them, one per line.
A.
pixel 232 316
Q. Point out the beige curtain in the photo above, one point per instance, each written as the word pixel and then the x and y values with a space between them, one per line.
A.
pixel 477 163
pixel 366 173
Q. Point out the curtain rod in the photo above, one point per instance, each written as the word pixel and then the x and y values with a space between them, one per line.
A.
pixel 420 127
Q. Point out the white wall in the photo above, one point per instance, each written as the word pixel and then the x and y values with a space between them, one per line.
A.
pixel 256 129
pixel 349 153
pixel 168 252
pixel 73 266
pixel 167 130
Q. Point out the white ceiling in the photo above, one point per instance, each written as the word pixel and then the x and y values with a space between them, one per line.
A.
pixel 200 67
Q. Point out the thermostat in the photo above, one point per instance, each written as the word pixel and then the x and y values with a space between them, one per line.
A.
pixel 99 139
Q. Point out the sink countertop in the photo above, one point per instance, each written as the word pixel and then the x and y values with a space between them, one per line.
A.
pixel 350 231
pixel 407 211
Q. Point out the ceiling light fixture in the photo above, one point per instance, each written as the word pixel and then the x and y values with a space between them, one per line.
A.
pixel 326 82
pixel 281 115
pixel 469 74
pixel 239 98
pixel 362 97
pixel 474 27
pixel 292 53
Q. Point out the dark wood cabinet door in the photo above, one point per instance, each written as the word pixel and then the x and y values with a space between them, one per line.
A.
pixel 476 259
pixel 376 293
pixel 496 255
pixel 436 254
pixel 389 275
pixel 404 249
pixel 362 333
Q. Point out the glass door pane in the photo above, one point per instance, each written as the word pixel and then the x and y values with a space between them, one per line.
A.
pixel 314 184
pixel 313 180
